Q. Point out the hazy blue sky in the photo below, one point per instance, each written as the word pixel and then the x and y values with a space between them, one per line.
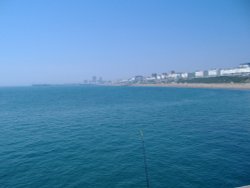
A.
pixel 58 41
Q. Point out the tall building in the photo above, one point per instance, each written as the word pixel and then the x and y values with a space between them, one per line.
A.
pixel 94 79
pixel 100 80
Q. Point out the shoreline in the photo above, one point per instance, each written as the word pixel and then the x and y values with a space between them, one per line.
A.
pixel 244 86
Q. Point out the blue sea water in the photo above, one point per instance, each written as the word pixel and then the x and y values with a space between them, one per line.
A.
pixel 89 137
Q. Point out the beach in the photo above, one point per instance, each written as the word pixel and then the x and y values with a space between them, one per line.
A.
pixel 245 86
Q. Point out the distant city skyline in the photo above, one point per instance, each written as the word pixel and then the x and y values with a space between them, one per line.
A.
pixel 240 72
pixel 56 42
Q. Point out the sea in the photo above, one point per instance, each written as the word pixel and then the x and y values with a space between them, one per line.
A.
pixel 89 137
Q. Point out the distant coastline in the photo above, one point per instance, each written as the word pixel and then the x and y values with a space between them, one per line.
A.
pixel 241 86
pixel 244 86
pixel 237 75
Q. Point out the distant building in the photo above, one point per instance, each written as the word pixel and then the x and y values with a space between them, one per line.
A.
pixel 123 81
pixel 159 77
pixel 131 79
pixel 228 72
pixel 154 75
pixel 235 71
pixel 201 74
pixel 165 74
pixel 100 80
pixel 139 78
pixel 244 65
pixel 187 75
pixel 150 78
pixel 244 68
pixel 94 79
pixel 214 72
pixel 184 75
pixel 241 70
pixel 174 76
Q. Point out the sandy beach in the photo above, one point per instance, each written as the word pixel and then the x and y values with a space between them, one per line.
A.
pixel 245 86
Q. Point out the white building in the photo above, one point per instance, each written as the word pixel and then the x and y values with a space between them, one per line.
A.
pixel 241 70
pixel 150 78
pixel 235 71
pixel 174 76
pixel 244 65
pixel 228 72
pixel 214 72
pixel 158 77
pixel 131 79
pixel 163 76
pixel 184 75
pixel 139 78
pixel 200 74
pixel 187 75
pixel 245 70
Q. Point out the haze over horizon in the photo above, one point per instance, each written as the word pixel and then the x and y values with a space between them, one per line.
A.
pixel 69 41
